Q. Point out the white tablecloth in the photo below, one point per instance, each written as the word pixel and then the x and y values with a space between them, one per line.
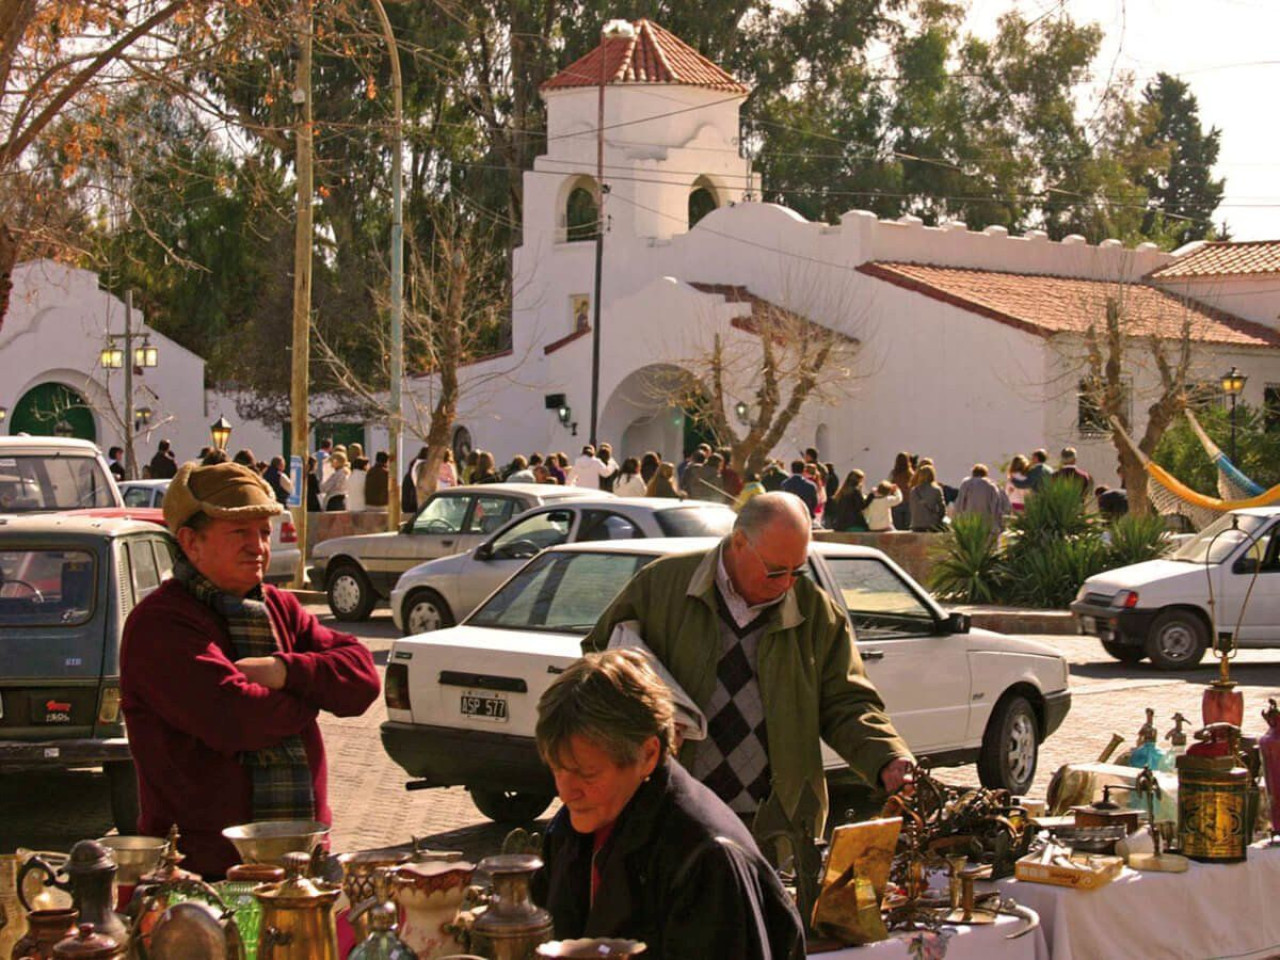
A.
pixel 1211 912
pixel 965 943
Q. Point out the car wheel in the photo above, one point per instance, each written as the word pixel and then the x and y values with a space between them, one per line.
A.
pixel 351 596
pixel 122 781
pixel 1177 640
pixel 424 611
pixel 1010 747
pixel 510 806
pixel 1124 652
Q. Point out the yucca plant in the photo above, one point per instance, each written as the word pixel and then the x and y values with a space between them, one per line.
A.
pixel 967 561
pixel 1135 539
pixel 1049 575
pixel 1054 511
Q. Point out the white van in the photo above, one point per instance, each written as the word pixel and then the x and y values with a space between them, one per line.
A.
pixel 53 474
pixel 1161 608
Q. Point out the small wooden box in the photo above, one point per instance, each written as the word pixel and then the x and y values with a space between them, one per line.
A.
pixel 1086 873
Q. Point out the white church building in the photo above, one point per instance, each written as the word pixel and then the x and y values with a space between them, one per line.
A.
pixel 970 344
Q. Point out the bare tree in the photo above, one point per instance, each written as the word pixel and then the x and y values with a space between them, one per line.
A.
pixel 455 300
pixel 1110 343
pixel 752 382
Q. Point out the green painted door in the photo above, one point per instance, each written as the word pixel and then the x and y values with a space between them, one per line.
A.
pixel 53 410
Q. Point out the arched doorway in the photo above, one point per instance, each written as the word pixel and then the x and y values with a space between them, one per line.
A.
pixel 703 199
pixel 53 410
pixel 582 210
pixel 645 412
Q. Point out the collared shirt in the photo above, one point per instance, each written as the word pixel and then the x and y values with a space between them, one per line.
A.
pixel 742 612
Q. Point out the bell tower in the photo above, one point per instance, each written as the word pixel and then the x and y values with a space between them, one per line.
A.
pixel 668 119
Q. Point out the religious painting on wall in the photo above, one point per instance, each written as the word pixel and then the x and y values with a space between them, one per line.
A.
pixel 580 306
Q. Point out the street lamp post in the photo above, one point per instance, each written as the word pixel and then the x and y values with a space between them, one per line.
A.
pixel 114 358
pixel 1233 382
pixel 220 433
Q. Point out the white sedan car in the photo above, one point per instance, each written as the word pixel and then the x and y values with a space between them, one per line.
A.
pixel 439 593
pixel 462 702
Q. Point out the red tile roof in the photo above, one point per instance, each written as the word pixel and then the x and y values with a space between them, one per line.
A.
pixel 761 309
pixel 1046 306
pixel 652 55
pixel 1224 259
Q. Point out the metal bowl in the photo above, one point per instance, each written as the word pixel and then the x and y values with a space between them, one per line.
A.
pixel 268 841
pixel 1090 839
pixel 135 856
pixel 592 949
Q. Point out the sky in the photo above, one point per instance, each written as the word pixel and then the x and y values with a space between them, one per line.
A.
pixel 1226 50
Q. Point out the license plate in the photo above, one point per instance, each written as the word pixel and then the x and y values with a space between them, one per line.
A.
pixel 484 706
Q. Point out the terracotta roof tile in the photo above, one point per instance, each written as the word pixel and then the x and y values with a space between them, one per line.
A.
pixel 1046 306
pixel 653 55
pixel 761 308
pixel 1224 259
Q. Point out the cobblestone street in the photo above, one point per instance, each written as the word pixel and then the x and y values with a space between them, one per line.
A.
pixel 372 808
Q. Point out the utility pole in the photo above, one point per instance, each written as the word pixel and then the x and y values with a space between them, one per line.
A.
pixel 130 460
pixel 397 273
pixel 301 373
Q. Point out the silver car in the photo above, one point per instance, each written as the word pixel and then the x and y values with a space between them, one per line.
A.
pixel 359 571
pixel 439 593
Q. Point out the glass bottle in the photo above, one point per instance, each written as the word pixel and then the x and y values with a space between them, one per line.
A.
pixel 382 942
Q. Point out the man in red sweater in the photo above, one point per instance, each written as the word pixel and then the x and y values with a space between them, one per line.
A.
pixel 222 677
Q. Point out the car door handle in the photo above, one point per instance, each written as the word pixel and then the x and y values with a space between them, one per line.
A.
pixel 872 654
pixel 446 543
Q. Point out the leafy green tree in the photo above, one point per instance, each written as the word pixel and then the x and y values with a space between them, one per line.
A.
pixel 1184 188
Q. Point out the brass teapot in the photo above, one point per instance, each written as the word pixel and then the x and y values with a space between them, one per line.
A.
pixel 297 915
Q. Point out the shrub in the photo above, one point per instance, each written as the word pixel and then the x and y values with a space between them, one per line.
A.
pixel 1135 539
pixel 967 567
pixel 1050 574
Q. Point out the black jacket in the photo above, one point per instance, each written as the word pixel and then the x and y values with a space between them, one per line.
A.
pixel 679 872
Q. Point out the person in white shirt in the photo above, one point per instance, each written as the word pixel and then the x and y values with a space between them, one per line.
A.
pixel 333 491
pixel 588 469
pixel 355 485
pixel 629 483
pixel 879 511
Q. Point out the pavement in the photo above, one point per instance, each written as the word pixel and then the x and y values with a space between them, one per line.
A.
pixel 372 808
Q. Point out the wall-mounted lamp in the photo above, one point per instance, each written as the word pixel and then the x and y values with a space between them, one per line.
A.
pixel 141 418
pixel 740 408
pixel 564 413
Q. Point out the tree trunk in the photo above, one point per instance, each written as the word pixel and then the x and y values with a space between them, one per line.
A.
pixel 8 260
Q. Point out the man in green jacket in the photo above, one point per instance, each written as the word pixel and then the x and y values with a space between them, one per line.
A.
pixel 768 657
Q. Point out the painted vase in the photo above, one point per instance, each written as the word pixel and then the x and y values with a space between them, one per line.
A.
pixel 1269 748
pixel 428 896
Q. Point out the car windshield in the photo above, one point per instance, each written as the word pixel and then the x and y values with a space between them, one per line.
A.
pixel 559 592
pixel 696 521
pixel 46 588
pixel 1219 540
pixel 35 483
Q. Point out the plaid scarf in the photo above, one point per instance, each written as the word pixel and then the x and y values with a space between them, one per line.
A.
pixel 281 776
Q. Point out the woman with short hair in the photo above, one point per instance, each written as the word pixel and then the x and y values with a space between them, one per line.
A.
pixel 641 849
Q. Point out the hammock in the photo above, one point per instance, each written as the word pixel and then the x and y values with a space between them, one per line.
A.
pixel 1172 496
pixel 1232 483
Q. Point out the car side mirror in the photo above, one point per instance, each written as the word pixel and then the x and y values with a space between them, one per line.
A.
pixel 955 622
pixel 406 526
pixel 1245 565
pixel 484 551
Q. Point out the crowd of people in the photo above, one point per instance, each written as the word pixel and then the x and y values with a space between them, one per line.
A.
pixel 911 497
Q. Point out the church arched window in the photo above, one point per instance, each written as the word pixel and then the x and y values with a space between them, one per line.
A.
pixel 582 212
pixel 702 200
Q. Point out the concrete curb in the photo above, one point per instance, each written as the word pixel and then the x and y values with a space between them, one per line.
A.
pixel 1020 620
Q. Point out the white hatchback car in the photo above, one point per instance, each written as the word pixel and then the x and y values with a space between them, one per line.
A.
pixel 439 593
pixel 461 703
pixel 1161 608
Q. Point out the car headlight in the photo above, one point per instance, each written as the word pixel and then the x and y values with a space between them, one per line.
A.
pixel 1127 599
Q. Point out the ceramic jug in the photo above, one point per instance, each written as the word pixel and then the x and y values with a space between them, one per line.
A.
pixel 45 928
pixel 429 895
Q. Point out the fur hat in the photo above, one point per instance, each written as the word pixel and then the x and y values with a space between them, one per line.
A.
pixel 226 491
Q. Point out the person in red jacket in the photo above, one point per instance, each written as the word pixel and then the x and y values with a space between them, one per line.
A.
pixel 222 677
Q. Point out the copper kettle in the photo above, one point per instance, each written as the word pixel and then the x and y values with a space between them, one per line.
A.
pixel 297 915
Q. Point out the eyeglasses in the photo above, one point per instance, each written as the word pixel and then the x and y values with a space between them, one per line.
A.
pixel 772 573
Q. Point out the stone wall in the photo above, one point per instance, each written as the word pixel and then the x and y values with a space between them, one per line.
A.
pixel 908 550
